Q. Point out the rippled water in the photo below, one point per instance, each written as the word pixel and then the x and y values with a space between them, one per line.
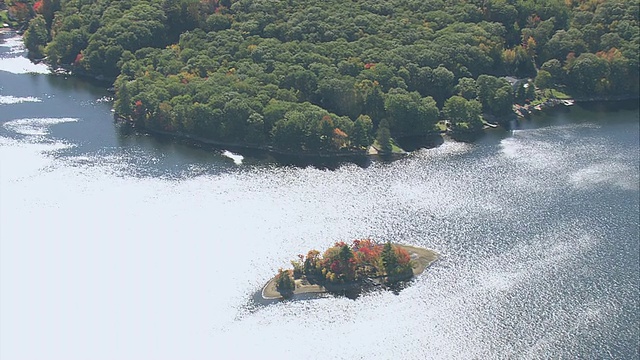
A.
pixel 120 246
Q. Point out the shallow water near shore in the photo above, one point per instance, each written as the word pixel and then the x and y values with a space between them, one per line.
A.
pixel 116 245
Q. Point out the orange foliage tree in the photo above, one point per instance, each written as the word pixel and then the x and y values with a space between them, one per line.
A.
pixel 363 258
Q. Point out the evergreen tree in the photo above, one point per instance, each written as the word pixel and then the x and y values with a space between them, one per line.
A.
pixel 389 259
pixel 384 137
pixel 361 135
pixel 311 264
pixel 347 264
pixel 284 283
pixel 123 103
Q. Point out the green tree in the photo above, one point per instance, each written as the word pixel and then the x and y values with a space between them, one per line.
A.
pixel 123 105
pixel 587 74
pixel 502 101
pixel 285 283
pixel 289 133
pixel 389 259
pixel 543 80
pixel 486 87
pixel 383 137
pixel 217 22
pixel 442 83
pixel 466 88
pixel 347 263
pixel 620 73
pixel 410 114
pixel 312 264
pixel 298 267
pixel 496 95
pixel 361 134
pixel 371 93
pixel 338 95
pixel 184 15
pixel 338 264
pixel 530 91
pixel 554 68
pixel 523 63
pixel 564 42
pixel 48 8
pixel 305 82
pixel 236 118
pixel 463 113
pixel 66 47
pixel 255 133
pixel 36 36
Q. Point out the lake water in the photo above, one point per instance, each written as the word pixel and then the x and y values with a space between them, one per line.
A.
pixel 115 245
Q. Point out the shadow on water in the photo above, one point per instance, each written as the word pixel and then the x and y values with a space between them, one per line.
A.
pixel 352 293
pixel 65 83
pixel 610 106
pixel 603 112
pixel 190 147
pixel 413 143
pixel 174 155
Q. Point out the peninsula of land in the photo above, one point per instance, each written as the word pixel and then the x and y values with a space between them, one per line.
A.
pixel 336 79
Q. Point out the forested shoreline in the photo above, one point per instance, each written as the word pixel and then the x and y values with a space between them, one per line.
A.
pixel 329 77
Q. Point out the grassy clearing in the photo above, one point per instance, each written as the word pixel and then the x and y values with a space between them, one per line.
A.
pixel 4 18
pixel 560 95
pixel 544 95
pixel 538 101
pixel 441 126
pixel 395 149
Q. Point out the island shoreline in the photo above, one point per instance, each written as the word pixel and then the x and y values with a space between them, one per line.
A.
pixel 423 258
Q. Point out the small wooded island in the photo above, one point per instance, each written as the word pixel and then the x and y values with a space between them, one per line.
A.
pixel 363 263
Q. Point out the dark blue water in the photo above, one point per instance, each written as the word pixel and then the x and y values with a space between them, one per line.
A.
pixel 120 245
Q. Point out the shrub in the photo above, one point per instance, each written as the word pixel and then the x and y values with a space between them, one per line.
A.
pixel 284 283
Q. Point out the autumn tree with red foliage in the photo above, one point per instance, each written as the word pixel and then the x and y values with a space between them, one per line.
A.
pixel 338 264
pixel 364 258
pixel 46 8
pixel 19 11
pixel 140 112
pixel 367 255
pixel 78 59
pixel 37 6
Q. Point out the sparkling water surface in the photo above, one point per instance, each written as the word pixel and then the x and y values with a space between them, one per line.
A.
pixel 117 245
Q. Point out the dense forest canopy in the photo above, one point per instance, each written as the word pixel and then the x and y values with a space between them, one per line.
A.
pixel 303 75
